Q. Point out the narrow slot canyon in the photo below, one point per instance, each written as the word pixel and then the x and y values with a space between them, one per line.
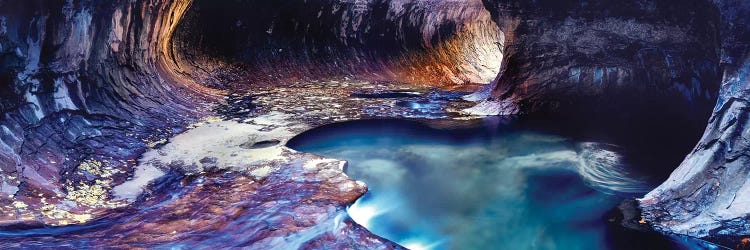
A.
pixel 374 124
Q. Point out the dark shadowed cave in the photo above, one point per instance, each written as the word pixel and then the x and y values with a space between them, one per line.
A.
pixel 173 123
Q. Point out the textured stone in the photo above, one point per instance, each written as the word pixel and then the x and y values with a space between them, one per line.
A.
pixel 245 43
pixel 82 82
pixel 595 58
pixel 583 57
pixel 709 194
pixel 90 86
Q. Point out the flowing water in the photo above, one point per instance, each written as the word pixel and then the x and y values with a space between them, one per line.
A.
pixel 489 186
pixel 494 184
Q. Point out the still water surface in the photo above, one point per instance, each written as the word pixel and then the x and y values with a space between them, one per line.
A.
pixel 492 185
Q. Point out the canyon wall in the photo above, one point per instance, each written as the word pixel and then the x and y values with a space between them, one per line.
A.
pixel 674 62
pixel 88 86
pixel 606 57
pixel 84 92
pixel 709 194
pixel 241 44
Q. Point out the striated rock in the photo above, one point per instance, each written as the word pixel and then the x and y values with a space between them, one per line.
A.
pixel 709 194
pixel 89 87
pixel 229 210
pixel 491 107
pixel 607 57
pixel 103 81
pixel 239 44
pixel 82 82
pixel 643 58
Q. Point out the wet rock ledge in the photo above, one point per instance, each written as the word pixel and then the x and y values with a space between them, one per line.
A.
pixel 141 123
pixel 112 136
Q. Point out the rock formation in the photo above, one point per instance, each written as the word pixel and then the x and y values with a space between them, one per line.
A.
pixel 84 83
pixel 98 82
pixel 709 194
pixel 639 56
pixel 597 57
pixel 248 43
pixel 87 87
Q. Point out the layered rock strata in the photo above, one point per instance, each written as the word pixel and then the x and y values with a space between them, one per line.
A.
pixel 605 57
pixel 709 194
pixel 89 86
pixel 652 58
pixel 240 44
pixel 85 91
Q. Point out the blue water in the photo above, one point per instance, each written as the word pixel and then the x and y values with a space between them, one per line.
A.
pixel 489 185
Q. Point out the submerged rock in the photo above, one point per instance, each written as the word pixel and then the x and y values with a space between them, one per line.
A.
pixel 261 144
pixel 385 94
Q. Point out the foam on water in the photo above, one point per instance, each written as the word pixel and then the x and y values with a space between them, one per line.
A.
pixel 463 189
pixel 605 170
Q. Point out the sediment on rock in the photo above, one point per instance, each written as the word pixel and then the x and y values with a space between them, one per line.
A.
pixel 85 91
pixel 93 85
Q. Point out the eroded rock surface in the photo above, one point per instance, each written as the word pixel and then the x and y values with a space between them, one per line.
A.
pixel 90 87
pixel 709 194
pixel 207 187
pixel 298 205
pixel 606 57
pixel 248 42
pixel 84 91
pixel 652 59
pixel 94 93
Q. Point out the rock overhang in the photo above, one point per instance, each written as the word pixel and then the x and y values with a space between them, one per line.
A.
pixel 75 87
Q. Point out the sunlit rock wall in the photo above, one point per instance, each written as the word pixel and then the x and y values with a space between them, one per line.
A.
pixel 84 91
pixel 88 86
pixel 709 194
pixel 608 57
pixel 250 42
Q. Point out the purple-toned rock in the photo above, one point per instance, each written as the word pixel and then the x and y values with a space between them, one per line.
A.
pixel 709 194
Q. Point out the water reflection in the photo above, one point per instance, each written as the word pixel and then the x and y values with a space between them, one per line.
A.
pixel 468 189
